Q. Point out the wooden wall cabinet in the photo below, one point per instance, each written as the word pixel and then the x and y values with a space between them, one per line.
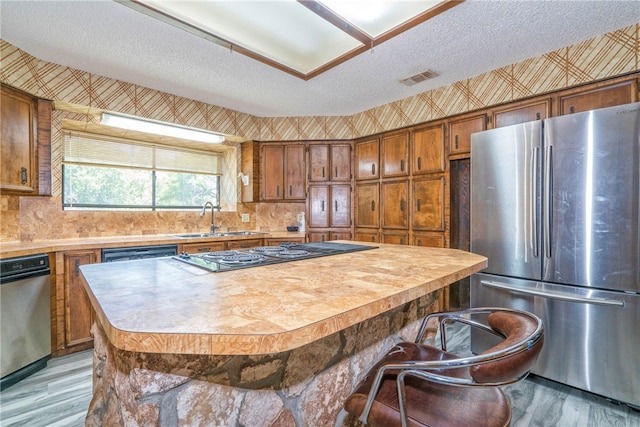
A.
pixel 25 143
pixel 460 133
pixel 395 204
pixel 367 159
pixel 330 162
pixel 428 204
pixel 521 113
pixel 366 235
pixel 427 150
pixel 282 173
pixel 329 206
pixel 395 155
pixel 600 97
pixel 368 205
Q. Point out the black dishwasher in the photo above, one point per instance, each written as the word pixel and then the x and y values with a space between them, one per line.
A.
pixel 138 252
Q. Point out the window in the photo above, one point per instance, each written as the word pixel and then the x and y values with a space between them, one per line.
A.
pixel 101 172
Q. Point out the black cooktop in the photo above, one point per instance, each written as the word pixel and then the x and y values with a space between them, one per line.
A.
pixel 267 255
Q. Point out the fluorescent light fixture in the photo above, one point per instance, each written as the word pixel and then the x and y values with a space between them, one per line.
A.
pixel 160 128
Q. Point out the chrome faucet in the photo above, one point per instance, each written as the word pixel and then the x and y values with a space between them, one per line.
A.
pixel 212 228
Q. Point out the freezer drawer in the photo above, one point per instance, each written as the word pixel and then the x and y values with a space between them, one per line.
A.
pixel 590 338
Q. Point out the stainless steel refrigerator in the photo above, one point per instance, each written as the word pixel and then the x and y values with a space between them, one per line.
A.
pixel 555 208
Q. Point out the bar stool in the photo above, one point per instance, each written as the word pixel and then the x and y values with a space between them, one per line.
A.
pixel 417 384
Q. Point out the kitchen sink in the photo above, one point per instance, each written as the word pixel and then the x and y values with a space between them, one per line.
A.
pixel 228 234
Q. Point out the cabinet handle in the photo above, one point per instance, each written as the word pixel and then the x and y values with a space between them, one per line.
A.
pixel 323 237
pixel 373 239
pixel 572 109
pixel 23 175
pixel 77 262
pixel 336 172
pixel 537 116
pixel 323 171
pixel 419 242
pixel 456 142
pixel 291 190
pixel 373 205
pixel 336 203
pixel 204 250
pixel 278 190
pixel 418 205
pixel 402 240
pixel 401 205
pixel 322 206
pixel 402 165
pixel 419 163
pixel 373 168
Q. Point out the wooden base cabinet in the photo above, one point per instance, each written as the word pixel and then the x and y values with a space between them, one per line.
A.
pixel 74 314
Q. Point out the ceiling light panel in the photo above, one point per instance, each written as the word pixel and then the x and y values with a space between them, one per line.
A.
pixel 376 17
pixel 283 31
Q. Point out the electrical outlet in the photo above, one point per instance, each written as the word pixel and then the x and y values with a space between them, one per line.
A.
pixel 245 218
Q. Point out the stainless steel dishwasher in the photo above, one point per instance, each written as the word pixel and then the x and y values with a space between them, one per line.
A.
pixel 25 317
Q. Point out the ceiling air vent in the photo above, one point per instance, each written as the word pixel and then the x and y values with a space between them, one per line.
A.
pixel 420 77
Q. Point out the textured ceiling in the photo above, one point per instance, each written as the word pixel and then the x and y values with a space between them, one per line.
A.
pixel 112 40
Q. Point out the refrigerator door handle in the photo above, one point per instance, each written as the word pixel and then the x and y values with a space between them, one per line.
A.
pixel 555 295
pixel 548 163
pixel 533 229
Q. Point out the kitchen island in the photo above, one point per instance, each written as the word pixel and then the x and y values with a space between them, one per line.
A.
pixel 276 345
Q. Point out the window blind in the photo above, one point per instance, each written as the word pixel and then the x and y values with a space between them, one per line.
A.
pixel 101 150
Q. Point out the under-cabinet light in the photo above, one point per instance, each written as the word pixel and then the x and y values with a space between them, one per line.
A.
pixel 160 128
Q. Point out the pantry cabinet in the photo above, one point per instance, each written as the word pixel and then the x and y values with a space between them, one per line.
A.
pixel 427 150
pixel 367 159
pixel 282 174
pixel 395 155
pixel 25 143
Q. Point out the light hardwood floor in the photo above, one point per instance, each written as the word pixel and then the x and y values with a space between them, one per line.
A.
pixel 59 395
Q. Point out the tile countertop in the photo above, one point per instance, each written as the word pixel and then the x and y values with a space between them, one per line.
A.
pixel 14 249
pixel 162 305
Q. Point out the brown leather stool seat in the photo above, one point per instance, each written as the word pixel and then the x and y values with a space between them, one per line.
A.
pixel 443 389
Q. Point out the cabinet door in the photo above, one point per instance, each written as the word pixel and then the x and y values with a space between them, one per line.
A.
pixel 79 314
pixel 272 241
pixel 460 133
pixel 319 206
pixel 608 96
pixel 429 240
pixel 194 248
pixel 367 159
pixel 428 204
pixel 272 172
pixel 340 206
pixel 366 236
pixel 243 244
pixel 341 162
pixel 18 112
pixel 395 208
pixel 318 236
pixel 340 235
pixel 522 114
pixel 367 205
pixel 395 155
pixel 428 150
pixel 395 239
pixel 319 166
pixel 294 172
